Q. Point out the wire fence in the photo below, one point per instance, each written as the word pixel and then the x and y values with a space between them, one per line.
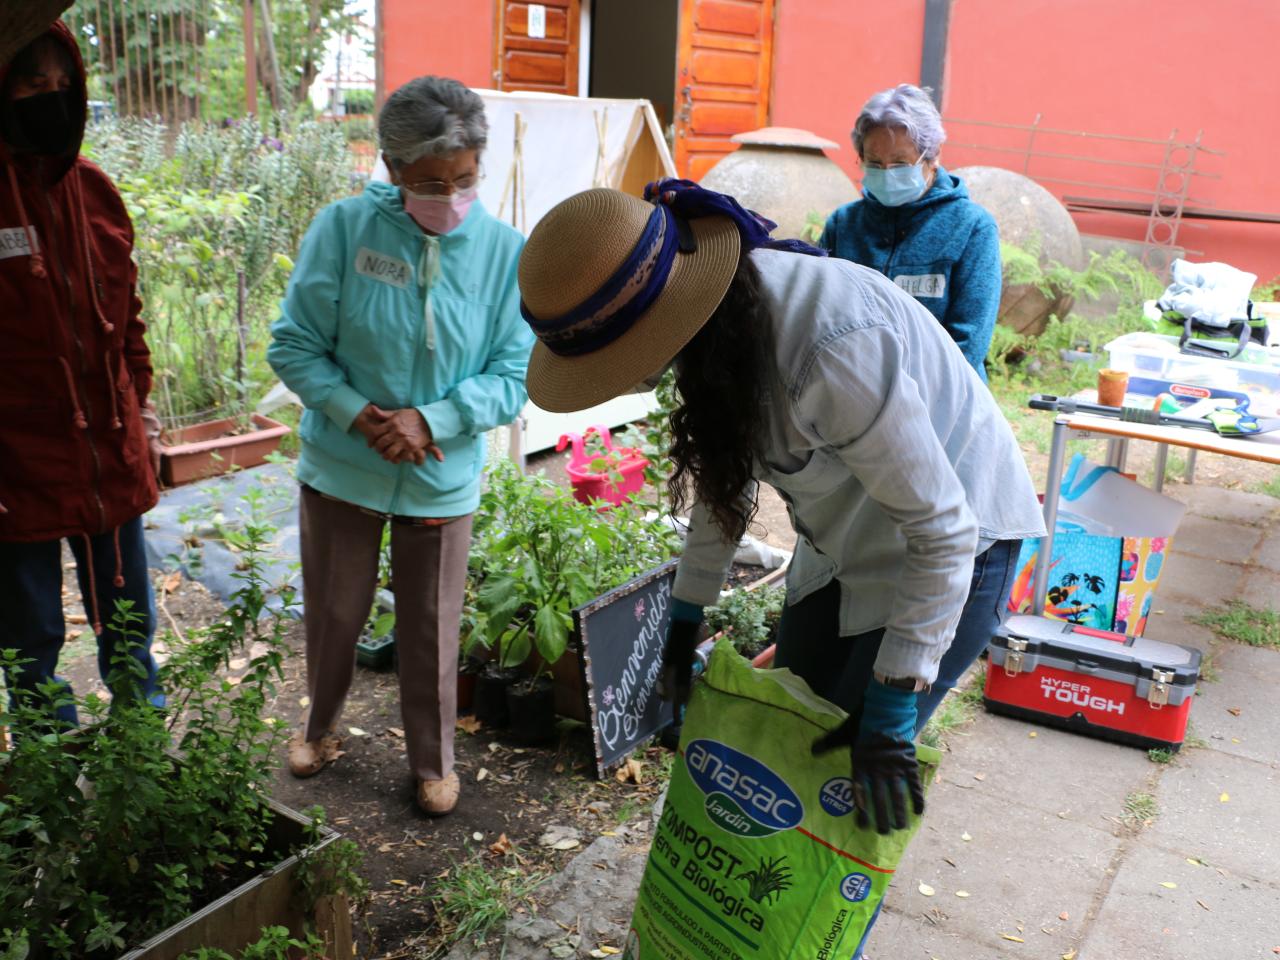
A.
pixel 146 57
pixel 1102 175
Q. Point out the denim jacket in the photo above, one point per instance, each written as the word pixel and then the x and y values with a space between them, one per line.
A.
pixel 896 465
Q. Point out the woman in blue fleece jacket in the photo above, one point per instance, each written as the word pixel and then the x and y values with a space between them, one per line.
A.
pixel 916 223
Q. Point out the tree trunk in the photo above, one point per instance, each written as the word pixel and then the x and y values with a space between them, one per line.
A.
pixel 272 73
pixel 21 21
pixel 310 65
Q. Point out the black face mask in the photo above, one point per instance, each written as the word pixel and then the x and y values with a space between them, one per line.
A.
pixel 47 123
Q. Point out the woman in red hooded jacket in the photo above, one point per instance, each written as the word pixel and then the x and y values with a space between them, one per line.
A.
pixel 76 457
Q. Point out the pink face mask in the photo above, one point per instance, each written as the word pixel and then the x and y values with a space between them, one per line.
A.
pixel 439 215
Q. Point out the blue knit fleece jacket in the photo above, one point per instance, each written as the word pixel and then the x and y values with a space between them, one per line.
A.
pixel 943 249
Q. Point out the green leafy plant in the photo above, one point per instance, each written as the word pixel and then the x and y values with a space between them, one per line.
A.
pixel 175 812
pixel 538 553
pixel 1117 272
pixel 748 617
pixel 218 217
pixel 329 870
pixel 276 943
pixel 653 437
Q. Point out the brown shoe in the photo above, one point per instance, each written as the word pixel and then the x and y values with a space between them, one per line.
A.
pixel 438 797
pixel 309 757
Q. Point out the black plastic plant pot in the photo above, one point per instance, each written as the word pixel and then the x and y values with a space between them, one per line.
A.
pixel 490 700
pixel 377 654
pixel 532 706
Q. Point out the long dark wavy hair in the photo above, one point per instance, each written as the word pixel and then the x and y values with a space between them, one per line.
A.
pixel 718 429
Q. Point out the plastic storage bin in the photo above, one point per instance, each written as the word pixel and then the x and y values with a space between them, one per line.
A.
pixel 1255 373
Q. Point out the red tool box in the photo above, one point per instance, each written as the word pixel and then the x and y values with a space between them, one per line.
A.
pixel 1133 690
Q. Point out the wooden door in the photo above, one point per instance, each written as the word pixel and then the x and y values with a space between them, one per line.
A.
pixel 525 61
pixel 724 64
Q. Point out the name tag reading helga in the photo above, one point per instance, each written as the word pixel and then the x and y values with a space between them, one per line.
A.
pixel 14 242
pixel 922 284
pixel 380 266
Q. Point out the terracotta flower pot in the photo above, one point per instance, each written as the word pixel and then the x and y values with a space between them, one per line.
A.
pixel 212 448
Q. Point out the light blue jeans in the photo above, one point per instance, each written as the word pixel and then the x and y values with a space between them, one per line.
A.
pixel 839 668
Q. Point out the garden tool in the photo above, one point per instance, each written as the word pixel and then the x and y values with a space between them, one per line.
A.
pixel 1234 421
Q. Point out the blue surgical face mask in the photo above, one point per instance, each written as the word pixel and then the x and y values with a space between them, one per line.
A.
pixel 896 185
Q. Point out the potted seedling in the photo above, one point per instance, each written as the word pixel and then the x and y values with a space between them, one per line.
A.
pixel 538 554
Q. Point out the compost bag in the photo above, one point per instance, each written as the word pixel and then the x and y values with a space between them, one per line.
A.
pixel 756 852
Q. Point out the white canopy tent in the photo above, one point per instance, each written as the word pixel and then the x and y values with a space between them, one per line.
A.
pixel 545 147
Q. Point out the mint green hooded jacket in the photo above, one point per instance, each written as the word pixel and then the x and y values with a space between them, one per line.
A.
pixel 379 312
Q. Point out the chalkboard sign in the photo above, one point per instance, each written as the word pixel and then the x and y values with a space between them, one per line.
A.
pixel 620 637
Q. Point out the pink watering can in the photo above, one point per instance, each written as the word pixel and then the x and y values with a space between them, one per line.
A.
pixel 611 474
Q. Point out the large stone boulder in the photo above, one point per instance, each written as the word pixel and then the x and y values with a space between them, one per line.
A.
pixel 783 174
pixel 1030 217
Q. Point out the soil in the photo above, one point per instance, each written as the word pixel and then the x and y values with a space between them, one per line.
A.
pixel 508 789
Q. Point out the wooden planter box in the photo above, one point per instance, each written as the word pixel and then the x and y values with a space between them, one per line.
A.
pixel 208 449
pixel 270 899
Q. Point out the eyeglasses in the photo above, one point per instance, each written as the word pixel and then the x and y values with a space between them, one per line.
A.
pixel 443 188
pixel 873 165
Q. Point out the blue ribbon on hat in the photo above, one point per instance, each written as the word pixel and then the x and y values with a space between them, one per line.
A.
pixel 614 309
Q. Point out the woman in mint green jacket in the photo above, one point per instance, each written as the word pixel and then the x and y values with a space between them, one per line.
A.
pixel 401 333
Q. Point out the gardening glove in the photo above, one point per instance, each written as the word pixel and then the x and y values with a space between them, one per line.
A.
pixel 884 768
pixel 676 678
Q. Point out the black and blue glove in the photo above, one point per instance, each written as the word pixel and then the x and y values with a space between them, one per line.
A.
pixel 676 679
pixel 884 767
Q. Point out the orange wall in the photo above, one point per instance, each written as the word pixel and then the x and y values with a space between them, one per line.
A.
pixel 447 39
pixel 830 55
pixel 1125 67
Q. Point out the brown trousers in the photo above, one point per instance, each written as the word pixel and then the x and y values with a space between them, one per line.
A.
pixel 339 575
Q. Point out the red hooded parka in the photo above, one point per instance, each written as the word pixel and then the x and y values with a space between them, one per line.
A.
pixel 74 367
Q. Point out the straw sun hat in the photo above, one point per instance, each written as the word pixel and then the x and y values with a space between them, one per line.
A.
pixel 584 264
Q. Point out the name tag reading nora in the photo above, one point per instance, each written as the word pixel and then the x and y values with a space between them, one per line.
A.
pixel 922 284
pixel 14 242
pixel 380 266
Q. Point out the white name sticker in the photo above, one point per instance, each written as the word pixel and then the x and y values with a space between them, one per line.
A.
pixel 380 266
pixel 922 284
pixel 537 21
pixel 15 242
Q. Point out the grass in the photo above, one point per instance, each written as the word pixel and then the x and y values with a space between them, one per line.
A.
pixel 1160 755
pixel 1209 672
pixel 1140 809
pixel 626 810
pixel 956 710
pixel 1270 487
pixel 475 899
pixel 1243 623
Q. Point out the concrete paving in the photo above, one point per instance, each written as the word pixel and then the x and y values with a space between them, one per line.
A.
pixel 1053 868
